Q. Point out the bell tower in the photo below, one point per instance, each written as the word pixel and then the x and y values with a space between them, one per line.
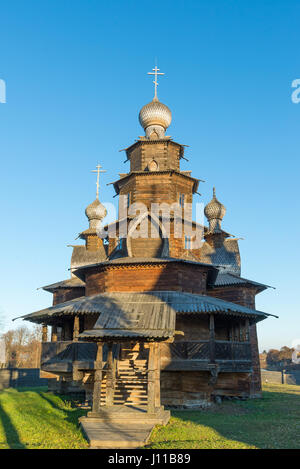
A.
pixel 155 175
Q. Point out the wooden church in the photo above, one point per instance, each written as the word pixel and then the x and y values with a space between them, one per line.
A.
pixel 150 319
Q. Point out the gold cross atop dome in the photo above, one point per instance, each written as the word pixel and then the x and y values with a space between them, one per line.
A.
pixel 98 170
pixel 155 72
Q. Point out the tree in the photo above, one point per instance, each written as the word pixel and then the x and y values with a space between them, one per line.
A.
pixel 280 359
pixel 23 347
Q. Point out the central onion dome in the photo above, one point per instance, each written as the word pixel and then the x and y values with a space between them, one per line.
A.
pixel 95 212
pixel 214 212
pixel 155 117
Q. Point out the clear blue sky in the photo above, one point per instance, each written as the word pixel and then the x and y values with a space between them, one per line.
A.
pixel 76 76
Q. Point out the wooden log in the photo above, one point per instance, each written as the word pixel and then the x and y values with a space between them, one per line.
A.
pixel 98 378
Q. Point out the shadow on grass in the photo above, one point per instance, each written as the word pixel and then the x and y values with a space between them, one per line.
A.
pixel 64 403
pixel 269 422
pixel 11 434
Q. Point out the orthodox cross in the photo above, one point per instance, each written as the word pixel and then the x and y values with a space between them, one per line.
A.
pixel 155 72
pixel 98 170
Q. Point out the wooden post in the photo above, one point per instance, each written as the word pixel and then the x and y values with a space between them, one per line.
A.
pixel 157 376
pixel 232 340
pixel 151 379
pixel 97 378
pixel 45 333
pixel 247 330
pixel 54 334
pixel 76 329
pixel 212 344
pixel 110 377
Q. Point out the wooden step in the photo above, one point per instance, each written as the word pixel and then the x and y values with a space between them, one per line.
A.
pixel 125 414
pixel 100 434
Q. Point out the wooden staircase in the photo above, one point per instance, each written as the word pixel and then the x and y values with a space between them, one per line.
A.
pixel 125 418
pixel 130 380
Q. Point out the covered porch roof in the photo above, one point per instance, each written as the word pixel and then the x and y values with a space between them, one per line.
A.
pixel 141 314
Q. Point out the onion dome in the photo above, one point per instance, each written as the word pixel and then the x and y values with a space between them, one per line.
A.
pixel 155 117
pixel 214 212
pixel 95 212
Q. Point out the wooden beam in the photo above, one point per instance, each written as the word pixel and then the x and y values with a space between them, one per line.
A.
pixel 98 378
pixel 212 344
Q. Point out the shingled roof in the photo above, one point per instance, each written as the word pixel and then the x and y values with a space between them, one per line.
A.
pixel 150 311
pixel 227 279
pixel 73 282
pixel 226 256
pixel 82 256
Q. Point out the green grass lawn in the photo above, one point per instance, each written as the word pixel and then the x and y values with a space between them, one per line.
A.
pixel 36 418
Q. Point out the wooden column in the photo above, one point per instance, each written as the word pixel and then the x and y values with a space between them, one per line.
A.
pixel 44 333
pixel 98 378
pixel 110 377
pixel 212 344
pixel 157 375
pixel 76 328
pixel 151 379
pixel 54 334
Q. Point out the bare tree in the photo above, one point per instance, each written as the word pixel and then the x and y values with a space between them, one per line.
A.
pixel 23 347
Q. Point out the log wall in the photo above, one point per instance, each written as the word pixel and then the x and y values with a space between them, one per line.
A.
pixel 171 276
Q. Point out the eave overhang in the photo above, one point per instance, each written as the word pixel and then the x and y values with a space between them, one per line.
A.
pixel 153 302
pixel 117 184
pixel 121 261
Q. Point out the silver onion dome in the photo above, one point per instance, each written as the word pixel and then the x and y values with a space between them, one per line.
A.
pixel 214 212
pixel 155 117
pixel 95 212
